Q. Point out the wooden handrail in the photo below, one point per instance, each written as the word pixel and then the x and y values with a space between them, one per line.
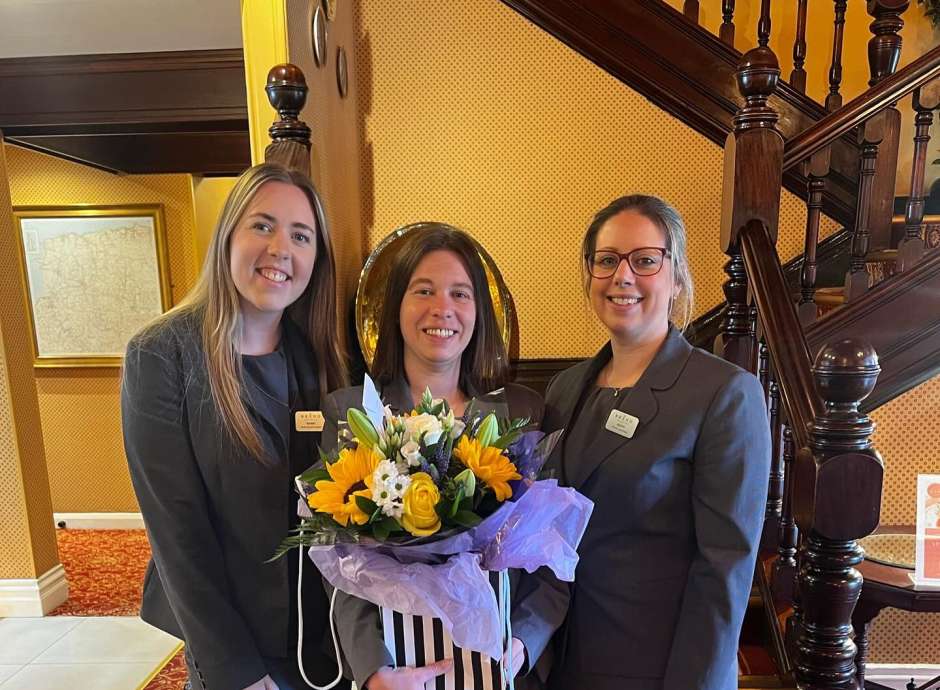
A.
pixel 781 329
pixel 855 112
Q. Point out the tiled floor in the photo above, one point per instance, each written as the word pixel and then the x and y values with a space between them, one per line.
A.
pixel 83 653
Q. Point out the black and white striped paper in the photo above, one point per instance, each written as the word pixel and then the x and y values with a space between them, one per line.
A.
pixel 417 641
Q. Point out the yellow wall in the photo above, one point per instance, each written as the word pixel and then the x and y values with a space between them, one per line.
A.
pixel 474 116
pixel 209 194
pixel 80 409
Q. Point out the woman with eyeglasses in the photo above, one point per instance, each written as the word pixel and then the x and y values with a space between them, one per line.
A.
pixel 672 445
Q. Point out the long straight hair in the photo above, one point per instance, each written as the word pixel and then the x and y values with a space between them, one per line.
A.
pixel 215 301
pixel 483 365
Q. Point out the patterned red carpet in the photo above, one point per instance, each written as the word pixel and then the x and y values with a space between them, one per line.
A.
pixel 105 570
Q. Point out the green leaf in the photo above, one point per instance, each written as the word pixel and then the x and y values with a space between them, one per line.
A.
pixel 466 518
pixel 455 504
pixel 380 531
pixel 314 474
pixel 366 505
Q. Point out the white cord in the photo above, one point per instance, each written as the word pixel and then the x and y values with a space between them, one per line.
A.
pixel 300 628
pixel 505 608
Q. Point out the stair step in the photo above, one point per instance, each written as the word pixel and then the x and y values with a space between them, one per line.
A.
pixel 830 296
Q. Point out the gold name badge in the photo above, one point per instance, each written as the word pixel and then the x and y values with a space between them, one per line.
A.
pixel 308 420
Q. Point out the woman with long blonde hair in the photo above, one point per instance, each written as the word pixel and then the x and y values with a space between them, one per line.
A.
pixel 220 399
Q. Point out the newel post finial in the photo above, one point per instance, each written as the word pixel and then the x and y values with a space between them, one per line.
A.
pixel 837 500
pixel 287 93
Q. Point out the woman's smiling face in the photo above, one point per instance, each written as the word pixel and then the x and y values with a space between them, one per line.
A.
pixel 633 308
pixel 438 312
pixel 273 249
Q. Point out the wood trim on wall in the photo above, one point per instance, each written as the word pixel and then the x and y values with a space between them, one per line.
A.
pixel 180 111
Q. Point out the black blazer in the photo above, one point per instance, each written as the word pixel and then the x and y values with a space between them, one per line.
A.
pixel 538 604
pixel 213 514
pixel 668 558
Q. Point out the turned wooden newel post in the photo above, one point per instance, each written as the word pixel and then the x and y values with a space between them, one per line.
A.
pixel 837 500
pixel 753 174
pixel 290 136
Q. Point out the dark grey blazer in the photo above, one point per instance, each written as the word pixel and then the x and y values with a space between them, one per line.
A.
pixel 213 514
pixel 538 604
pixel 668 558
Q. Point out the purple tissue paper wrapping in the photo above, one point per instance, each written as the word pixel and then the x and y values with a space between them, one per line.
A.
pixel 447 578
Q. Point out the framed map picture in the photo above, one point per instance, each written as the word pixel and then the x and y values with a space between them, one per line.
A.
pixel 94 277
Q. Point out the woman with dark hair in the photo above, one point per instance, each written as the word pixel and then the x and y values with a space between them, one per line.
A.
pixel 437 330
pixel 208 400
pixel 672 445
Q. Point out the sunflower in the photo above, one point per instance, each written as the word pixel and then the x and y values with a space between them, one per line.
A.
pixel 489 465
pixel 350 476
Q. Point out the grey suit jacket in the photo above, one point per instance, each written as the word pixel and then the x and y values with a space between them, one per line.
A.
pixel 213 514
pixel 538 603
pixel 668 558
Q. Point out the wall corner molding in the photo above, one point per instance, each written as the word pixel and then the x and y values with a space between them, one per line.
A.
pixel 34 598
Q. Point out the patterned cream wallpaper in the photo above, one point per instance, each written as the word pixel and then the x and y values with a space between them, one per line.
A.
pixel 899 636
pixel 496 127
pixel 80 409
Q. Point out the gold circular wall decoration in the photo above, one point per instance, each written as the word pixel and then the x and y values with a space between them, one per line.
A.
pixel 318 35
pixel 373 281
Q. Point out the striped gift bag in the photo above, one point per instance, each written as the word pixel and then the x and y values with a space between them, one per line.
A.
pixel 418 640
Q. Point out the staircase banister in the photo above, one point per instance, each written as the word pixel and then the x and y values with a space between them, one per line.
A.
pixel 781 328
pixel 890 90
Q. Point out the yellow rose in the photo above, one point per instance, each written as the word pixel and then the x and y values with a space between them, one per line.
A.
pixel 421 497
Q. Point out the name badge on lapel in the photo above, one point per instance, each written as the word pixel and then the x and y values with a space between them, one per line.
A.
pixel 622 423
pixel 308 420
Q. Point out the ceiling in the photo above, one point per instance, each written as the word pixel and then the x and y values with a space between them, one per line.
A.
pixel 30 28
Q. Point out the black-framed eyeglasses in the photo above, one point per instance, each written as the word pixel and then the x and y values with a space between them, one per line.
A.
pixel 643 261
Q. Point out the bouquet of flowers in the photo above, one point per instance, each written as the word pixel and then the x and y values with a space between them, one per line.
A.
pixel 419 510
pixel 415 475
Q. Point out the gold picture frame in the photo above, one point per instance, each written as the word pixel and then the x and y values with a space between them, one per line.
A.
pixel 92 276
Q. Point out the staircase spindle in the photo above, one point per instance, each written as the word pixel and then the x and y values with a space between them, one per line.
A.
pixel 834 98
pixel 787 534
pixel 884 48
pixel 763 25
pixel 775 487
pixel 840 455
pixel 911 248
pixel 763 366
pixel 815 171
pixel 798 75
pixel 726 32
pixel 690 10
pixel 870 136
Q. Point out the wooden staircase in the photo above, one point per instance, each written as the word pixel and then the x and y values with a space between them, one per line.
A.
pixel 866 301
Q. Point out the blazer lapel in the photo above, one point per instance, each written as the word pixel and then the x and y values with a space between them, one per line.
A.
pixel 640 402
